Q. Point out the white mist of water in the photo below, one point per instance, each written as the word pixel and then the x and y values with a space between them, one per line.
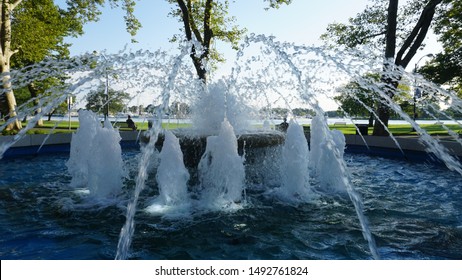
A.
pixel 95 160
pixel 317 135
pixel 80 155
pixel 221 170
pixel 172 178
pixel 329 170
pixel 326 148
pixel 266 125
pixel 294 168
pixel 216 103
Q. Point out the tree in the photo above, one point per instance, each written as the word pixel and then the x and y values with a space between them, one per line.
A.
pixel 446 67
pixel 23 96
pixel 151 109
pixel 303 112
pixel 39 27
pixel 203 21
pixel 133 109
pixel 6 52
pixel 207 20
pixel 357 100
pixel 407 29
pixel 114 101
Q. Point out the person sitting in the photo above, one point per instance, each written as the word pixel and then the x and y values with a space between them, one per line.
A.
pixel 130 123
pixel 284 125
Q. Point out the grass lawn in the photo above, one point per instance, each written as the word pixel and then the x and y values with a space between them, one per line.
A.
pixel 64 127
pixel 404 129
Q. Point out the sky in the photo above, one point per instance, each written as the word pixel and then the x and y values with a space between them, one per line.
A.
pixel 301 22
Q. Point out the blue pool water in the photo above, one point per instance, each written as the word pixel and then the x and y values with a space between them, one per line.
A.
pixel 414 212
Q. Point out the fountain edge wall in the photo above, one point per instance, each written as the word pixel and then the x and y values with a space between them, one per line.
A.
pixel 382 146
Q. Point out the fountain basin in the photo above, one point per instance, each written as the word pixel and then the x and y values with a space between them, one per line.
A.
pixel 193 146
pixel 413 210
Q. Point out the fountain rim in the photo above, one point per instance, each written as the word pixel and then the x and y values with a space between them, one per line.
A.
pixel 413 149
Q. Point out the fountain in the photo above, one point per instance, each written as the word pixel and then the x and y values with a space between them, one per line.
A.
pixel 221 169
pixel 172 178
pixel 294 165
pixel 225 185
pixel 95 157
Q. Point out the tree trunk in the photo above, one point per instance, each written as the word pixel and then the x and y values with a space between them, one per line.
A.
pixel 205 39
pixel 404 56
pixel 383 111
pixel 10 100
pixel 5 54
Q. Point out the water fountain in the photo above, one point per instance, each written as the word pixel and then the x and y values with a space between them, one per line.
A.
pixel 172 178
pixel 235 184
pixel 294 167
pixel 221 169
pixel 95 160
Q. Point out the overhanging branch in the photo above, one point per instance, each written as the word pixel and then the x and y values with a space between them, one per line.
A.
pixel 361 40
pixel 185 17
pixel 194 28
pixel 418 34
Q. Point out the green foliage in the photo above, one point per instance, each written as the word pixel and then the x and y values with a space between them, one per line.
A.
pixel 84 11
pixel 284 112
pixel 131 22
pixel 41 88
pixel 275 4
pixel 446 67
pixel 97 100
pixel 32 30
pixel 448 25
pixel 369 27
pixel 274 112
pixel 22 95
pixel 356 99
pixel 151 109
pixel 39 28
pixel 222 26
pixel 205 22
pixel 302 112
